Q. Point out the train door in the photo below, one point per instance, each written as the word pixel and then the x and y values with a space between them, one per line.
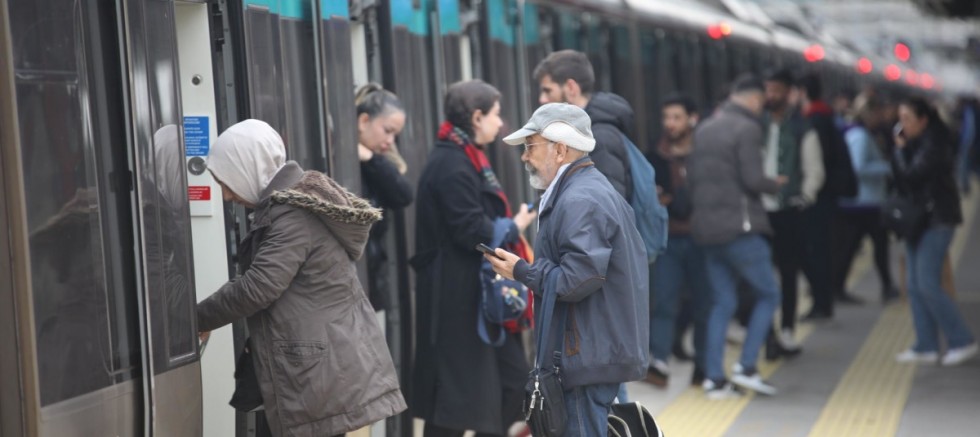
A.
pixel 95 197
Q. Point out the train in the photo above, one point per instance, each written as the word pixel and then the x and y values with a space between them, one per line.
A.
pixel 116 230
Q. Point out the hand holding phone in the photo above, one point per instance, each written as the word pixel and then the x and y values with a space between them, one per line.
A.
pixel 487 250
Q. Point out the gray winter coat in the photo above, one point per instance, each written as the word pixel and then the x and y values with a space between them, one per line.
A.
pixel 320 356
pixel 726 177
pixel 589 252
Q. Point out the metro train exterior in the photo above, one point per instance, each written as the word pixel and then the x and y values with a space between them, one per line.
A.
pixel 115 229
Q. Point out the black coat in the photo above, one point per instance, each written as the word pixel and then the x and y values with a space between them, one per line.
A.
pixel 924 171
pixel 459 381
pixel 386 188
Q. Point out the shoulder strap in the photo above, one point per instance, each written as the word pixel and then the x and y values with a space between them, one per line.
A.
pixel 544 343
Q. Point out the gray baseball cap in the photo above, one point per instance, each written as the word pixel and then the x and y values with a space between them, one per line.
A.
pixel 559 122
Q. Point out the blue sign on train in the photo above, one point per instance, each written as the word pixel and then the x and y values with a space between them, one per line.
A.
pixel 197 135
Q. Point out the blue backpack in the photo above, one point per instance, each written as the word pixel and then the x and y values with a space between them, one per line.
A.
pixel 651 216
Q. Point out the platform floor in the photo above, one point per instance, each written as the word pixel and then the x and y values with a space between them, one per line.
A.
pixel 846 382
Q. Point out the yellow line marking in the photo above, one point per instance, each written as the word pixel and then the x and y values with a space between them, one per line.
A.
pixel 869 399
pixel 692 414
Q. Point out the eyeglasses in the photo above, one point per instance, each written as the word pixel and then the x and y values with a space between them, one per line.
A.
pixel 528 147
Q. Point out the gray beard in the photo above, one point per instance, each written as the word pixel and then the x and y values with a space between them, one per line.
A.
pixel 534 178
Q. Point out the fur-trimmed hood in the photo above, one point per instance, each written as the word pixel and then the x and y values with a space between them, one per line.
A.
pixel 346 215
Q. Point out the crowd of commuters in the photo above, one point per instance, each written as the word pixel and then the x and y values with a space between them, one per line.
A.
pixel 773 180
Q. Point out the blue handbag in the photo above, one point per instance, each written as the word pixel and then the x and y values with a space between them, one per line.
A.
pixel 501 300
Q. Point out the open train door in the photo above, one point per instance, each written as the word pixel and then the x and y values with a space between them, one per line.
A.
pixel 98 290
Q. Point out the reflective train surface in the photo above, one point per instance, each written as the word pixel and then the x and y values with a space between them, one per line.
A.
pixel 115 230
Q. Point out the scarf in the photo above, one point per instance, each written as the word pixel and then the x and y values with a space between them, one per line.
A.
pixel 246 157
pixel 449 132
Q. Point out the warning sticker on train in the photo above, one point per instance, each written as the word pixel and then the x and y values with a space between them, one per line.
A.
pixel 197 136
pixel 198 193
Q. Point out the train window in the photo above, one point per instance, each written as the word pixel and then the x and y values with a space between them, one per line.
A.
pixel 163 193
pixel 80 302
pixel 569 32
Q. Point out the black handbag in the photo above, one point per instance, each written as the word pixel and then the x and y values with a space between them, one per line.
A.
pixel 905 218
pixel 633 420
pixel 544 404
pixel 247 396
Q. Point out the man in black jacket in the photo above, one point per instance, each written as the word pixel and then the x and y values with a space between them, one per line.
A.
pixel 566 76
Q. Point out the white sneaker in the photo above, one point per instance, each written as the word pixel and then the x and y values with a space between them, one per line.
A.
pixel 787 340
pixel 661 366
pixel 750 379
pixel 717 391
pixel 911 356
pixel 960 354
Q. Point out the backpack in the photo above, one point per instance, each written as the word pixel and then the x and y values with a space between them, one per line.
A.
pixel 506 305
pixel 651 216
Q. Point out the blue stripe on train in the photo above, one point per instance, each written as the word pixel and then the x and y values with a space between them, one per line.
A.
pixel 334 8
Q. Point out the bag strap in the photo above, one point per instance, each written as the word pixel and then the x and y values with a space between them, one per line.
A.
pixel 481 330
pixel 544 333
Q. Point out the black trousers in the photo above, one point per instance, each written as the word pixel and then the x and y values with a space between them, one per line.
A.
pixel 787 250
pixel 818 236
pixel 854 225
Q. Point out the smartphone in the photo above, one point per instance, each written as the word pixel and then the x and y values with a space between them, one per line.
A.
pixel 897 130
pixel 530 206
pixel 486 249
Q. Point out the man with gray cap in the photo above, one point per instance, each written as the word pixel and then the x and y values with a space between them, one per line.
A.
pixel 590 255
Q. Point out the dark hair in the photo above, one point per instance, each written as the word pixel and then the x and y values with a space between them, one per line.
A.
pixel 811 86
pixel 746 83
pixel 922 108
pixel 463 98
pixel 372 99
pixel 682 100
pixel 567 64
pixel 782 75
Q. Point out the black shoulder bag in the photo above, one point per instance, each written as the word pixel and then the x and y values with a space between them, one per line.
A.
pixel 544 404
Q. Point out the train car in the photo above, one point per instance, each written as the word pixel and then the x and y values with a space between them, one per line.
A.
pixel 107 110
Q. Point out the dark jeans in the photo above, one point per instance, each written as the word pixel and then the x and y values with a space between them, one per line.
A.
pixel 787 251
pixel 588 409
pixel 818 236
pixel 680 270
pixel 933 312
pixel 853 225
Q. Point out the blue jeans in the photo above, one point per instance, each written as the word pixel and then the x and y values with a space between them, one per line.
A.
pixel 747 257
pixel 680 269
pixel 932 309
pixel 588 409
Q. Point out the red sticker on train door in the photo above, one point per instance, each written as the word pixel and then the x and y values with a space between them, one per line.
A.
pixel 198 193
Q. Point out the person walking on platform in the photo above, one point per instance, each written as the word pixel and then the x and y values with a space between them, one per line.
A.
pixel 319 356
pixel 923 164
pixel 380 117
pixel 460 382
pixel 727 181
pixel 591 258
pixel 840 181
pixel 566 76
pixel 860 216
pixel 791 149
pixel 680 270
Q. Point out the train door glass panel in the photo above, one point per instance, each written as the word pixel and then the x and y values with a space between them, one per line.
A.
pixel 715 73
pixel 74 165
pixel 336 59
pixel 654 75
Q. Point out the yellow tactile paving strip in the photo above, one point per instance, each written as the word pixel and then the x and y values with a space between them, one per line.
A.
pixel 871 396
pixel 692 414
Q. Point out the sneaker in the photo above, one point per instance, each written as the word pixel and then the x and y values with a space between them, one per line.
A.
pixel 697 378
pixel 750 379
pixel 658 374
pixel 787 340
pixel 911 356
pixel 848 299
pixel 720 390
pixel 960 354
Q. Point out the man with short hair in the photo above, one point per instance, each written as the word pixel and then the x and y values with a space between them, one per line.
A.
pixel 566 76
pixel 727 182
pixel 590 256
pixel 680 270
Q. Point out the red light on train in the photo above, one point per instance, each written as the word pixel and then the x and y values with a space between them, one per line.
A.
pixel 927 81
pixel 911 77
pixel 902 52
pixel 814 53
pixel 725 28
pixel 893 73
pixel 865 66
pixel 720 30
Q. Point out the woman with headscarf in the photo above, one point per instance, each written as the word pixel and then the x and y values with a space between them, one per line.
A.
pixel 380 118
pixel 922 164
pixel 460 382
pixel 319 355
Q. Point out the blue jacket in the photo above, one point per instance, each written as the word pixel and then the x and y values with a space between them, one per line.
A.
pixel 871 168
pixel 589 252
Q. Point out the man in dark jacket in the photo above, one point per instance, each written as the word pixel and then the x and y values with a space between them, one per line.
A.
pixel 727 181
pixel 566 76
pixel 589 254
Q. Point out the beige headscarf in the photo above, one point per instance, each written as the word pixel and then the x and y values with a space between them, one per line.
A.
pixel 246 157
